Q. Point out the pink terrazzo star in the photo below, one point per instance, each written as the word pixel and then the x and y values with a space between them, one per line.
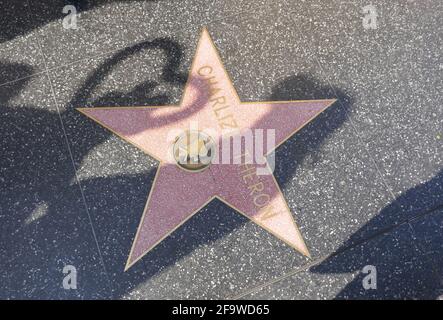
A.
pixel 211 102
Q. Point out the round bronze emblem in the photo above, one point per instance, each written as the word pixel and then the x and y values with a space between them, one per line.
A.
pixel 193 150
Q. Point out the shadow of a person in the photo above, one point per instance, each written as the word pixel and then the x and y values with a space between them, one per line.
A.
pixel 41 182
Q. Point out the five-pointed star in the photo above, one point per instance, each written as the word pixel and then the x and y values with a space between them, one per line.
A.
pixel 211 101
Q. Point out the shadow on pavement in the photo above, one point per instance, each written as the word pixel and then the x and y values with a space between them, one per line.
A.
pixel 16 21
pixel 39 177
pixel 407 268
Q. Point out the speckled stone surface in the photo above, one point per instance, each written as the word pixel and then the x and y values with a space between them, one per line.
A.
pixel 407 261
pixel 364 180
pixel 103 26
pixel 44 222
pixel 19 50
pixel 393 74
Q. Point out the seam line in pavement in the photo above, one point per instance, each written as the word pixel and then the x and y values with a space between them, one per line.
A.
pixel 71 155
pixel 305 267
